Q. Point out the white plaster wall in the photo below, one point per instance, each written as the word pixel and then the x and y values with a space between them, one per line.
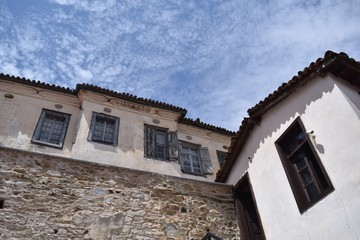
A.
pixel 329 107
pixel 20 115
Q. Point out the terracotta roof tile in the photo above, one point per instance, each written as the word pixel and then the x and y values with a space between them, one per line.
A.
pixel 123 95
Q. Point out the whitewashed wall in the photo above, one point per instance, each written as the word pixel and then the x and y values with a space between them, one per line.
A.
pixel 331 108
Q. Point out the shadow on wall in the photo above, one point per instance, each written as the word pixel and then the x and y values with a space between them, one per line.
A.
pixel 288 109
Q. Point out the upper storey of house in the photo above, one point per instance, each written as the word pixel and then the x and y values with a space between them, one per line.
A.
pixel 99 125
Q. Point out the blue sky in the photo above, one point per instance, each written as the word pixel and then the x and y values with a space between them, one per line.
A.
pixel 214 58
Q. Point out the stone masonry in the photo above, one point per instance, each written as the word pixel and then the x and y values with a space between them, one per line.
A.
pixel 48 197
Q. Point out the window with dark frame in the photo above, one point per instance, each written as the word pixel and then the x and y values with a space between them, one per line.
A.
pixel 104 129
pixel 306 174
pixel 51 128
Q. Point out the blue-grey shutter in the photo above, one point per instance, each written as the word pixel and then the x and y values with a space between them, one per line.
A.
pixel 173 146
pixel 149 142
pixel 39 125
pixel 206 161
pixel 181 158
pixel 92 126
pixel 116 129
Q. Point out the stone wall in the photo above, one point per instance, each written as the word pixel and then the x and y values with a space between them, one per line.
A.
pixel 47 197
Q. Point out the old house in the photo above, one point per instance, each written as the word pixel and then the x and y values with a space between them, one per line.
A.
pixel 294 163
pixel 90 163
pixel 93 163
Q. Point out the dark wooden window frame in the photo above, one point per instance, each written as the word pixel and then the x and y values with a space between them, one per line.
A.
pixel 243 222
pixel 48 114
pixel 107 118
pixel 312 164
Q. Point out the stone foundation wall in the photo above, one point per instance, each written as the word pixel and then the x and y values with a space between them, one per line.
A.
pixel 47 197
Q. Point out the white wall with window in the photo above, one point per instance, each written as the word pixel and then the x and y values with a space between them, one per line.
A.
pixel 37 119
pixel 330 108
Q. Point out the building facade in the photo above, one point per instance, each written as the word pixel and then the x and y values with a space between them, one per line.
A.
pixel 295 163
pixel 90 163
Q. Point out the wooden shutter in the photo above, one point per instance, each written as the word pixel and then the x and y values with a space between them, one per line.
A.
pixel 205 161
pixel 149 141
pixel 180 158
pixel 92 126
pixel 116 131
pixel 173 146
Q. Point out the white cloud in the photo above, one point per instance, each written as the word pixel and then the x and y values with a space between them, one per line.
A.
pixel 215 58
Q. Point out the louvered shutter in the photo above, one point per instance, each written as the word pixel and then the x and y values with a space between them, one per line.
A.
pixel 149 134
pixel 205 161
pixel 173 146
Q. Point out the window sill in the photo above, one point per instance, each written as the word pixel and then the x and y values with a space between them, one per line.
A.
pixel 46 144
pixel 194 174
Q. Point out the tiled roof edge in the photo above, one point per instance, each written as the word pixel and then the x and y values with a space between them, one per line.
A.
pixel 320 66
pixel 131 97
pixel 198 123
pixel 35 83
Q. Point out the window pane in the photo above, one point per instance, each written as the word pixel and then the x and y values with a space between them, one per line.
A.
pixel 306 176
pixel 300 161
pixel 160 138
pixel 160 152
pixel 312 191
pixel 187 169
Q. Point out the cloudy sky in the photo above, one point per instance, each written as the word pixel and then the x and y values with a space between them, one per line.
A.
pixel 216 58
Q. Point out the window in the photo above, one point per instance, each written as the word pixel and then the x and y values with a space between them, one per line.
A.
pixel 160 143
pixel 305 172
pixel 104 129
pixel 249 219
pixel 221 157
pixel 195 159
pixel 51 128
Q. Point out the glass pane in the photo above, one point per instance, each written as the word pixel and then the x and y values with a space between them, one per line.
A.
pixel 312 191
pixel 160 138
pixel 187 169
pixel 160 152
pixel 306 176
pixel 300 161
pixel 186 162
pixel 196 170
pixel 293 140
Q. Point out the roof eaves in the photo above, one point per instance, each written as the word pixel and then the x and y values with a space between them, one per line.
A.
pixel 237 143
pixel 199 124
pixel 37 84
pixel 132 98
pixel 331 62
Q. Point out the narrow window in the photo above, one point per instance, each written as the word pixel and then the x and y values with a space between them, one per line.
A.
pixel 51 128
pixel 104 129
pixel 306 174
